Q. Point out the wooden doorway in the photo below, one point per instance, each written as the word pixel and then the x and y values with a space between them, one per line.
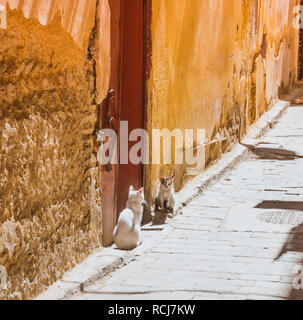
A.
pixel 125 102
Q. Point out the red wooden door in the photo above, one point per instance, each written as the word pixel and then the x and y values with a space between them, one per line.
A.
pixel 131 91
pixel 123 103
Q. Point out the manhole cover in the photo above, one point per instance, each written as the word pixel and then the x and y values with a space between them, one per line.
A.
pixel 281 218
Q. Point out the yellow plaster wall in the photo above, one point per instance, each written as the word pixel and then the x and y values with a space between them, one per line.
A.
pixel 217 65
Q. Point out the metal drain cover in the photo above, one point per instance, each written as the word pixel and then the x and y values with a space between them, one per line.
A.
pixel 247 219
pixel 282 218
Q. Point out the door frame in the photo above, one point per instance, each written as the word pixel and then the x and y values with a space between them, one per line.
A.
pixel 114 101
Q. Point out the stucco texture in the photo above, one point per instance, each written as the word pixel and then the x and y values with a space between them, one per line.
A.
pixel 49 179
pixel 217 65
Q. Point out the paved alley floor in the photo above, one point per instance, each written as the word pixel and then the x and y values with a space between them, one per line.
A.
pixel 241 239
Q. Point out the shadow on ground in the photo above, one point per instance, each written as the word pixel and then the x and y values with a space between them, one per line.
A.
pixel 273 153
pixel 159 218
pixel 281 205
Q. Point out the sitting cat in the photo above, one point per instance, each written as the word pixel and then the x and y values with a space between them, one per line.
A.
pixel 127 232
pixel 165 199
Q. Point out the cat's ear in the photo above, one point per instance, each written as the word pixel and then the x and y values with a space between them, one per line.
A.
pixel 131 188
pixel 172 177
pixel 141 190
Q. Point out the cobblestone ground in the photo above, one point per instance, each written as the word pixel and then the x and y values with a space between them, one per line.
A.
pixel 214 251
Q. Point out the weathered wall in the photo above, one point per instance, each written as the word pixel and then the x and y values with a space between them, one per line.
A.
pixel 78 17
pixel 49 182
pixel 217 65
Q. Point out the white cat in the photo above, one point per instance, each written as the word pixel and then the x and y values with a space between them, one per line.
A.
pixel 127 232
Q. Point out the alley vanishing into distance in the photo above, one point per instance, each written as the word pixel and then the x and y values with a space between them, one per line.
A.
pixel 241 239
pixel 103 102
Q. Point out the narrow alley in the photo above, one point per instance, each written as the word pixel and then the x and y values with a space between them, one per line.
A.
pixel 151 149
pixel 228 244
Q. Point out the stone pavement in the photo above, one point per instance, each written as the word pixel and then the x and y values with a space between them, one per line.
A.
pixel 225 244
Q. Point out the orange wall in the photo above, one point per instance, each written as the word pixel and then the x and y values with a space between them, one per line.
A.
pixel 78 18
pixel 49 179
pixel 209 70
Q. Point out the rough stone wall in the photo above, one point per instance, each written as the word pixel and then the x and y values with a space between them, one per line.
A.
pixel 77 16
pixel 49 183
pixel 217 65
